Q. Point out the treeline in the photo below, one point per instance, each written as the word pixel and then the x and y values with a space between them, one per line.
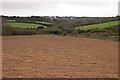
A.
pixel 78 21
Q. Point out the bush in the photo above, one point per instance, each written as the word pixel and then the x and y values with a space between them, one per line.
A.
pixel 79 31
pixel 24 32
pixel 7 29
pixel 41 27
pixel 51 31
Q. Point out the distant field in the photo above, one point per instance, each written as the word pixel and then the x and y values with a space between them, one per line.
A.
pixel 48 23
pixel 25 25
pixel 99 26
pixel 10 20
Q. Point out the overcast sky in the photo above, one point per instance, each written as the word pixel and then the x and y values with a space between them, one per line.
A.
pixel 95 8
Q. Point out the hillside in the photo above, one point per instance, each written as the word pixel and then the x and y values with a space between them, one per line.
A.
pixel 94 27
pixel 100 26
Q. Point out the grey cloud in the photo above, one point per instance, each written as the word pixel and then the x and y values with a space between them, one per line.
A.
pixel 90 3
pixel 25 5
pixel 54 7
pixel 26 8
pixel 119 8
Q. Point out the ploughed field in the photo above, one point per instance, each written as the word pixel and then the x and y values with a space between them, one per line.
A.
pixel 47 56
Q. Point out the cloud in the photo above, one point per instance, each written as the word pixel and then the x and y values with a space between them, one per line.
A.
pixel 27 8
pixel 25 5
pixel 119 8
pixel 60 7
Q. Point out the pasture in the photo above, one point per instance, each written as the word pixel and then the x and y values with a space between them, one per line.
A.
pixel 25 25
pixel 99 26
pixel 46 23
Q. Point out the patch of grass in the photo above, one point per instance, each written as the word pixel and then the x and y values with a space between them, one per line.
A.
pixel 44 23
pixel 10 21
pixel 99 26
pixel 24 25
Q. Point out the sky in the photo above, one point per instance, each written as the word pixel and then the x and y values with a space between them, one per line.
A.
pixel 119 8
pixel 88 8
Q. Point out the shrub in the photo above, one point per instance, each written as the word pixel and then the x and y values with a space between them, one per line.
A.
pixel 51 31
pixel 7 29
pixel 80 31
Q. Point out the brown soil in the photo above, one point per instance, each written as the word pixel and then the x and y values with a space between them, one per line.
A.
pixel 57 56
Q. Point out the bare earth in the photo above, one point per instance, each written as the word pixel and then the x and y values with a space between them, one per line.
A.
pixel 57 56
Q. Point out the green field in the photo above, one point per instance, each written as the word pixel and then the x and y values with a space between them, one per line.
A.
pixel 43 22
pixel 10 21
pixel 99 26
pixel 25 25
